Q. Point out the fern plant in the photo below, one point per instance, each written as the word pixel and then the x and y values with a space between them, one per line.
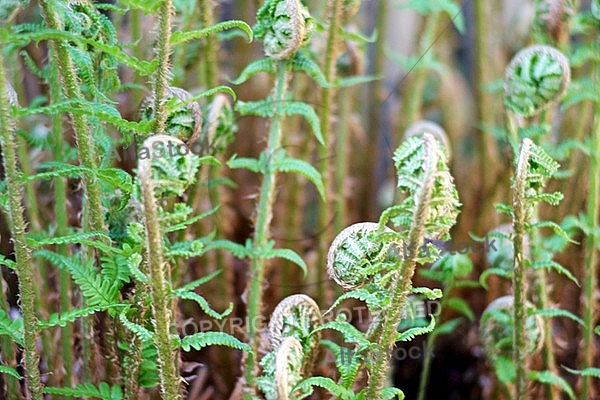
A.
pixel 23 264
pixel 283 26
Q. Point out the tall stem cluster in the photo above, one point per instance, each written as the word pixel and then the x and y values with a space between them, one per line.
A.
pixel 24 264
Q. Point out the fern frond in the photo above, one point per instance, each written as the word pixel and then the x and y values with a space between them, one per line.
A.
pixel 10 371
pixel 12 328
pixel 182 37
pixel 103 391
pixel 203 339
pixel 547 377
pixel 306 387
pixel 201 301
pixel 410 334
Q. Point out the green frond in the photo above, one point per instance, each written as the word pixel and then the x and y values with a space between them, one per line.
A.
pixel 595 372
pixel 194 284
pixel 201 301
pixel 182 37
pixel 347 361
pixel 430 294
pixel 553 265
pixel 461 306
pixel 348 331
pixel 250 164
pixel 96 290
pixel 263 65
pixel 547 377
pixel 289 164
pixel 103 391
pixel 557 312
pixel 286 254
pixel 306 387
pixel 375 297
pixel 12 328
pixel 504 273
pixel 411 333
pixel 203 339
pixel 142 333
pixel 10 371
pixel 62 319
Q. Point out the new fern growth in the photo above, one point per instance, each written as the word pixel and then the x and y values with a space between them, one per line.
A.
pixel 533 168
pixel 428 212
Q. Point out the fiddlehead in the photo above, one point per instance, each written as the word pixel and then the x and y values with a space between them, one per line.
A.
pixel 497 331
pixel 292 346
pixel 536 77
pixel 421 127
pixel 284 26
pixel 183 121
pixel 355 254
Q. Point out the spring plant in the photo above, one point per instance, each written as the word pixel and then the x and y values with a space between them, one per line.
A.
pixel 148 223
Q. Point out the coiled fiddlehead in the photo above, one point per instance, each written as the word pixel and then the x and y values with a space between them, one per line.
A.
pixel 184 122
pixel 354 255
pixel 293 347
pixel 536 77
pixel 421 127
pixel 284 26
pixel 295 316
pixel 288 364
pixel 497 332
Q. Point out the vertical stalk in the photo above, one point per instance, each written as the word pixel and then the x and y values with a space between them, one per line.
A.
pixel 326 163
pixel 24 265
pixel 485 103
pixel 60 209
pixel 264 216
pixel 162 76
pixel 414 93
pixel 521 217
pixel 591 251
pixel 374 114
pixel 210 77
pixel 341 159
pixel 400 286
pixel 160 285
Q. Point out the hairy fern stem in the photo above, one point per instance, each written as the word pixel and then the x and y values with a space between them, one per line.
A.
pixel 591 251
pixel 24 264
pixel 521 218
pixel 264 215
pixel 160 285
pixel 326 163
pixel 401 284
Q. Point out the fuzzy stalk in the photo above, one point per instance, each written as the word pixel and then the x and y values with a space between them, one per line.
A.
pixel 521 218
pixel 591 252
pixel 325 213
pixel 264 215
pixel 60 210
pixel 163 50
pixel 210 78
pixel 23 259
pixel 341 159
pixel 401 283
pixel 160 285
